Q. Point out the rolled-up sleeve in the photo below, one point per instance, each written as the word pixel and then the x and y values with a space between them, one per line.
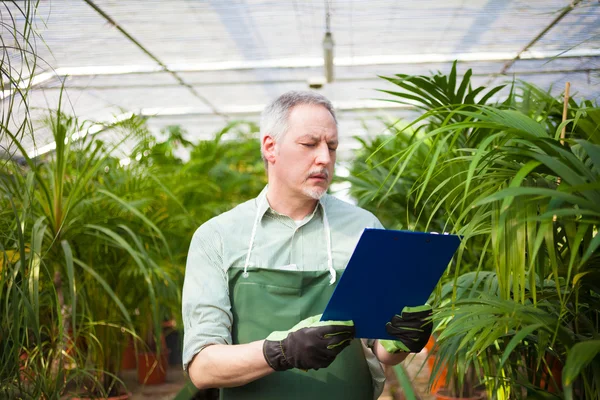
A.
pixel 206 309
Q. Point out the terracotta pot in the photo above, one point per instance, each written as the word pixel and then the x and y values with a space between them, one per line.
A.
pixel 129 359
pixel 555 367
pixel 74 345
pixel 23 357
pixel 444 394
pixel 152 370
pixel 440 379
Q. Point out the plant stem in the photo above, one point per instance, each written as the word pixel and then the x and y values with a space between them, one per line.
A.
pixel 565 109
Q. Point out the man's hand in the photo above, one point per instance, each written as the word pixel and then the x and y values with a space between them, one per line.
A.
pixel 412 330
pixel 311 344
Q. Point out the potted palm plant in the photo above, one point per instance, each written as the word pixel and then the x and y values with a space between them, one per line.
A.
pixel 525 276
pixel 27 345
pixel 463 383
pixel 84 236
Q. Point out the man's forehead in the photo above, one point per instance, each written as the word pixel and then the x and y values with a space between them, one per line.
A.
pixel 311 130
pixel 317 136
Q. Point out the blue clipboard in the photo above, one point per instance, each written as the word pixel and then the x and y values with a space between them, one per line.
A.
pixel 388 270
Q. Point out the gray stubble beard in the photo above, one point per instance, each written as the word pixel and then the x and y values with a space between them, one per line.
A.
pixel 314 193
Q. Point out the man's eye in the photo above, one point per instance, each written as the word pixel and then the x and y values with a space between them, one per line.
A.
pixel 332 148
pixel 308 145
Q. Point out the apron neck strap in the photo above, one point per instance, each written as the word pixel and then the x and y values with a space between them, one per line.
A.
pixel 326 231
pixel 253 234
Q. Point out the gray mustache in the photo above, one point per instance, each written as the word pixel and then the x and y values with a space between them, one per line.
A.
pixel 320 172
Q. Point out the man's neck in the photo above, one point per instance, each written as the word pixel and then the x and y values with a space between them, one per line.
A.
pixel 295 207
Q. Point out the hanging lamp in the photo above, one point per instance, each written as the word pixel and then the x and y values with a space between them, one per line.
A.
pixel 328 47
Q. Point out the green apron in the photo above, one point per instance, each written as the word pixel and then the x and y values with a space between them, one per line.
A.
pixel 266 300
pixel 270 300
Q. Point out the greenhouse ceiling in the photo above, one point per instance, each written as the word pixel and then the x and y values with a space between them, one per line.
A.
pixel 200 64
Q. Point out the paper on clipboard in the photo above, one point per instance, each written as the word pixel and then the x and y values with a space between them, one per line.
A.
pixel 388 270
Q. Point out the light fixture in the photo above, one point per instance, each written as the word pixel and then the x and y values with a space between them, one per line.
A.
pixel 328 46
pixel 328 56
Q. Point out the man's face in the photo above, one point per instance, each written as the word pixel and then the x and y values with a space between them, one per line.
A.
pixel 303 160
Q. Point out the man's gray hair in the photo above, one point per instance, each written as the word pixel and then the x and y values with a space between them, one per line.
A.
pixel 274 118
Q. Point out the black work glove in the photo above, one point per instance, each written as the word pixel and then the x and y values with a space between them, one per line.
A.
pixel 311 344
pixel 412 330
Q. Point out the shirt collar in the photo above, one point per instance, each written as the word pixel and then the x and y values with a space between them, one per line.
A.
pixel 263 204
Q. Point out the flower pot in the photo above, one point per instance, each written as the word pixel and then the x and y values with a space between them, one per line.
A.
pixel 440 379
pixel 23 375
pixel 74 347
pixel 152 370
pixel 173 343
pixel 552 369
pixel 129 359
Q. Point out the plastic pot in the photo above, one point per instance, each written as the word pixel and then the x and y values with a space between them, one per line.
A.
pixel 152 370
pixel 129 359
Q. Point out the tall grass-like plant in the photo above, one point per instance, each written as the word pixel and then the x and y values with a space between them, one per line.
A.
pixel 18 64
pixel 522 292
pixel 104 243
pixel 88 245
pixel 72 244
pixel 28 356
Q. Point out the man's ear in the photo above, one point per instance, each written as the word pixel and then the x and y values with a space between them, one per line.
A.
pixel 269 148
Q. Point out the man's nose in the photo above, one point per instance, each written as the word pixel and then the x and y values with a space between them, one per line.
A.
pixel 323 155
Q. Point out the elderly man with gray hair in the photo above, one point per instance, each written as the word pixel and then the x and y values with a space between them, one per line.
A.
pixel 258 275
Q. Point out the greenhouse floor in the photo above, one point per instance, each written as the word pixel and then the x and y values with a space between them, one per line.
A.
pixel 176 379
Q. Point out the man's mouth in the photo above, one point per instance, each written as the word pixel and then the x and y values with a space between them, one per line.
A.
pixel 319 177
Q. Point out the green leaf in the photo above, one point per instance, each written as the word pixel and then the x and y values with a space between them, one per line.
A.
pixel 460 94
pixel 516 339
pixel 111 294
pixel 593 151
pixel 591 249
pixel 516 120
pixel 541 192
pixel 438 149
pixel 578 358
pixel 35 260
pixel 138 214
pixel 452 83
pixel 72 284
pixel 482 149
pixel 492 92
pixel 405 382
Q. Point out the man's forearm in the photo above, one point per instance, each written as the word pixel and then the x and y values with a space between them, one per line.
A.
pixel 387 358
pixel 223 365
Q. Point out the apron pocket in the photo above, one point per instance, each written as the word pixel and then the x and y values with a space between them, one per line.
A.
pixel 275 304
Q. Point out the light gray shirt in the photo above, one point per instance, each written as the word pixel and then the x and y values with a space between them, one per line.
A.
pixel 222 243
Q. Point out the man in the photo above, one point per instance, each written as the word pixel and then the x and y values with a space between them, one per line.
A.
pixel 257 275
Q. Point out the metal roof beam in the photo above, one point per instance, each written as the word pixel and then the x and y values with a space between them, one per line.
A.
pixel 366 78
pixel 313 62
pixel 163 66
pixel 533 41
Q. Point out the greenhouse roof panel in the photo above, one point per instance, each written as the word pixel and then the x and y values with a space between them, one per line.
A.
pixel 212 61
pixel 579 29
pixel 179 31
